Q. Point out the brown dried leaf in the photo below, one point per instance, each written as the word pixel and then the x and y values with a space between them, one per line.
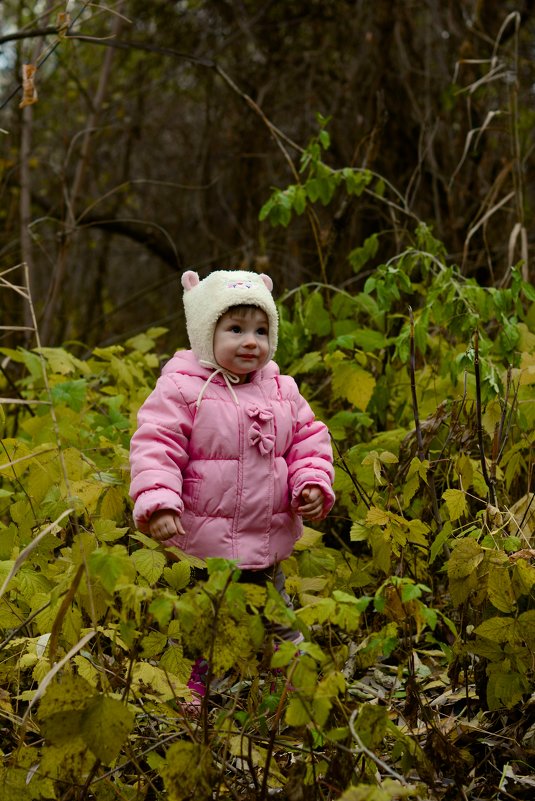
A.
pixel 29 92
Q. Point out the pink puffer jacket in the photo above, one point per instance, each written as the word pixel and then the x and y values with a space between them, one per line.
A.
pixel 233 471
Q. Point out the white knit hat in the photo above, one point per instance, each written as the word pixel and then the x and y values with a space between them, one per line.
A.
pixel 205 301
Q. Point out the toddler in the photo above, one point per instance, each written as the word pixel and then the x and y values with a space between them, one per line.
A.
pixel 228 457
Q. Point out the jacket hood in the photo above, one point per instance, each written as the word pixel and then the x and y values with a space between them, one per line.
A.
pixel 185 361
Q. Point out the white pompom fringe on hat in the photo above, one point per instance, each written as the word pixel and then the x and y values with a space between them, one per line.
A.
pixel 205 301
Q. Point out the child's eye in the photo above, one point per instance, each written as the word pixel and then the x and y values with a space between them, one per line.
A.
pixel 262 332
pixel 235 329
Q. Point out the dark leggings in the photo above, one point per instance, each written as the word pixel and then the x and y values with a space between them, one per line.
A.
pixel 261 578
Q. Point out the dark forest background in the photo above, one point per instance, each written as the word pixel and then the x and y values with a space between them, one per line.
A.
pixel 161 128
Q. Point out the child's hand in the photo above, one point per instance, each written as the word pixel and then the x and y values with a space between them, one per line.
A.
pixel 311 503
pixel 165 524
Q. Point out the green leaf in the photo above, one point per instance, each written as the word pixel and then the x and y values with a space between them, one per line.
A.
pixel 153 644
pixel 465 470
pixel 358 257
pixel 356 181
pixel 112 504
pixel 108 568
pixel 108 531
pixel 173 661
pixel 178 575
pixel 297 712
pixel 526 628
pixel 409 592
pixel 324 139
pixel 371 723
pixel 188 772
pixel 317 319
pixel 506 687
pixel 389 790
pixel 71 393
pixel 307 364
pixel 300 200
pixel 437 546
pixel 162 608
pixel 62 707
pixel 105 726
pixel 369 340
pixel 149 564
pixel 373 459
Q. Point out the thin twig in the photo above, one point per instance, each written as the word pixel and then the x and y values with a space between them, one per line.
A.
pixel 274 728
pixel 23 555
pixel 508 421
pixel 55 669
pixel 363 750
pixel 13 633
pixel 422 454
pixel 486 477
pixel 362 495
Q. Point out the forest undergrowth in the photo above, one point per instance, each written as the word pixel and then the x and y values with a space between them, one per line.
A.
pixel 415 597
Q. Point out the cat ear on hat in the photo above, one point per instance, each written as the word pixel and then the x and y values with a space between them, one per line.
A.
pixel 267 281
pixel 190 279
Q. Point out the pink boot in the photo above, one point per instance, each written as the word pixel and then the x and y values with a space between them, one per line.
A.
pixel 197 685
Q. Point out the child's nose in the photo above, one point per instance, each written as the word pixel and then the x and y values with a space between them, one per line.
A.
pixel 250 340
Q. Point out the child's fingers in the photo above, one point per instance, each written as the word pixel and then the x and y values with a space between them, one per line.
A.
pixel 313 509
pixel 178 525
pixel 164 526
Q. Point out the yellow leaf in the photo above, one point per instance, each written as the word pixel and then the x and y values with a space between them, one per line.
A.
pixel 112 505
pixel 359 532
pixel 150 680
pixel 527 368
pixel 106 724
pixel 372 458
pixel 466 555
pixel 377 517
pixel 353 383
pixel 491 417
pixel 465 471
pixel 500 589
pixel 498 629
pixel 418 531
pixel 455 502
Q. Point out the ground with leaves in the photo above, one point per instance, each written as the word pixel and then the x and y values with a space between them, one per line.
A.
pixel 416 598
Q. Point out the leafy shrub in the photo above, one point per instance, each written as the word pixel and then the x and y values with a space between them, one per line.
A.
pixel 421 578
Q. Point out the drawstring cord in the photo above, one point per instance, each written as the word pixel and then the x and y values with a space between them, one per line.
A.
pixel 230 378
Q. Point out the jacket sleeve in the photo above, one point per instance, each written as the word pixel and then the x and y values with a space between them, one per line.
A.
pixel 159 452
pixel 310 457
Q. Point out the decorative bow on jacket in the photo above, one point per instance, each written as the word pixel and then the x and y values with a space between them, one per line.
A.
pixel 262 439
pixel 263 414
pixel 265 441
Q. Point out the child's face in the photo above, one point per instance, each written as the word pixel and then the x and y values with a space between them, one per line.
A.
pixel 241 342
